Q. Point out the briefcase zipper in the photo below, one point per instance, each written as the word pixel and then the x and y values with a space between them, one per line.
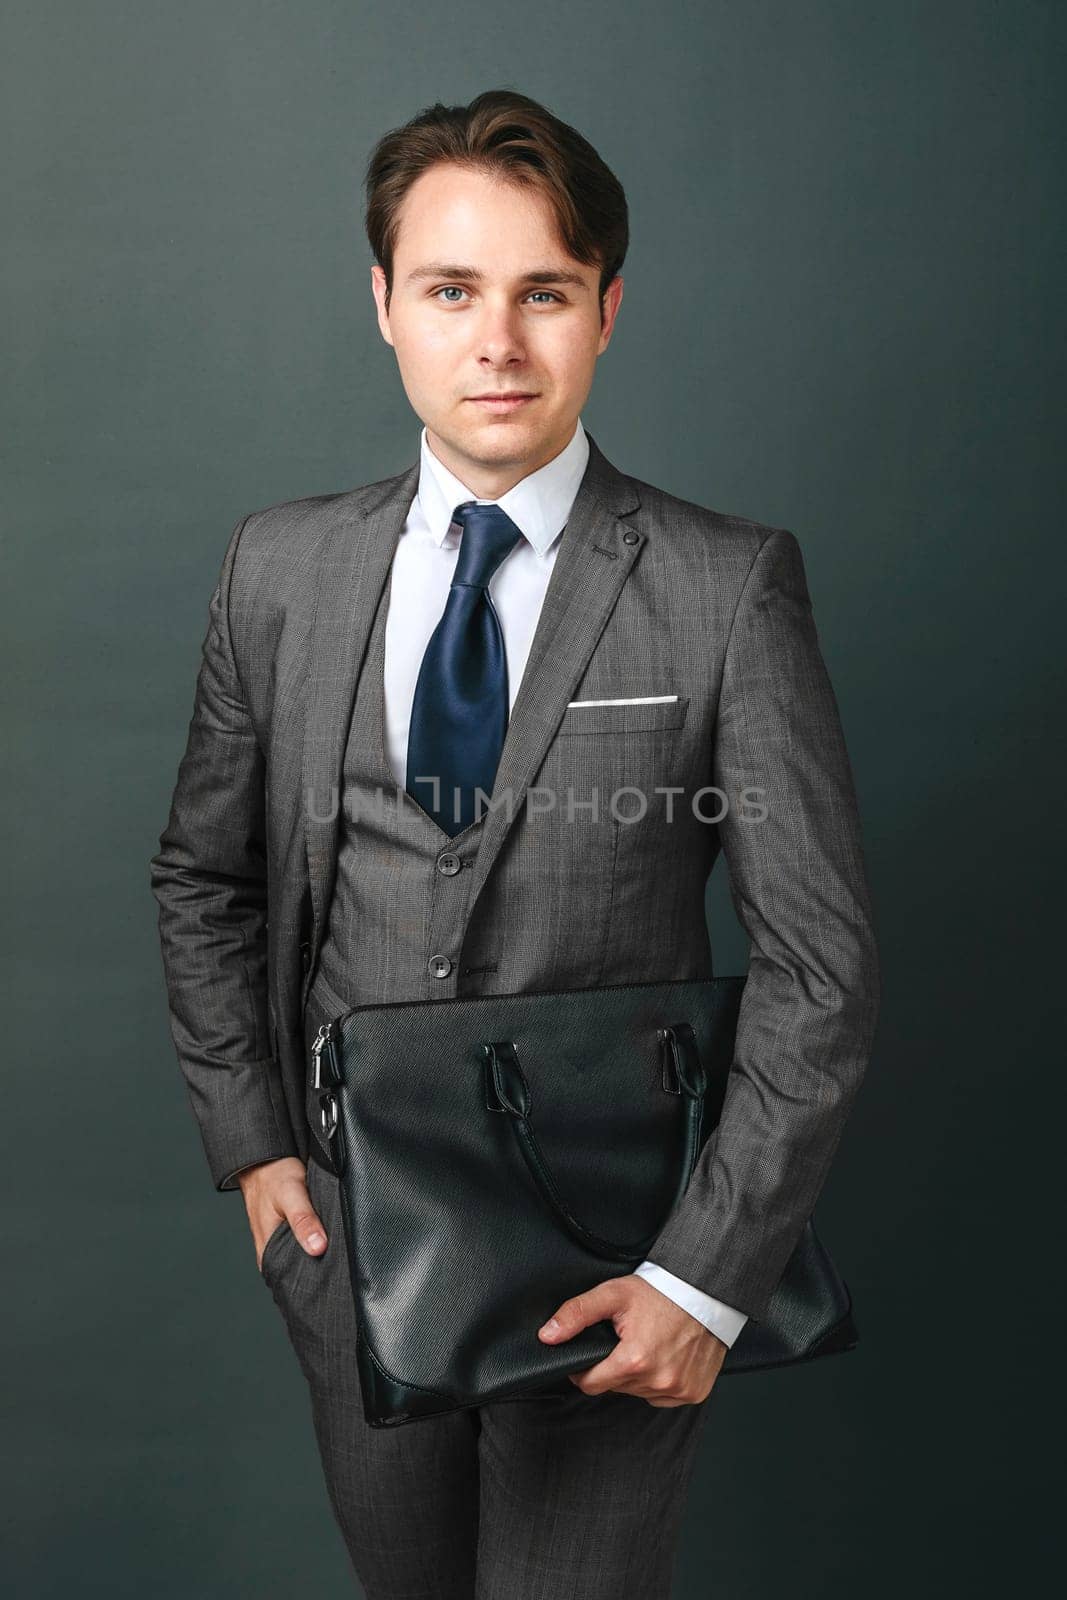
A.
pixel 325 1075
pixel 489 1000
pixel 330 1032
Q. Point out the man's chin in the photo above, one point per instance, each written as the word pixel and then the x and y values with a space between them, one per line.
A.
pixel 501 441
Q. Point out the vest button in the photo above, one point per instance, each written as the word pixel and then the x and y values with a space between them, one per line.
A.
pixel 440 966
pixel 449 864
pixel 629 537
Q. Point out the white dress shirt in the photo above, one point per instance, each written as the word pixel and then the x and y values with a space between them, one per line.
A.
pixel 422 571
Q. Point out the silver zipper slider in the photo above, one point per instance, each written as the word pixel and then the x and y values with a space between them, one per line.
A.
pixel 322 1038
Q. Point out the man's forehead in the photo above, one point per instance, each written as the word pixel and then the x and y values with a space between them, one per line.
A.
pixel 433 240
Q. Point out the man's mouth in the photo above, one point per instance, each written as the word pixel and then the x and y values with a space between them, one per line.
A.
pixel 503 402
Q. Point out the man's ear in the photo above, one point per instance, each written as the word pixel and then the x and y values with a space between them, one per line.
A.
pixel 379 289
pixel 609 310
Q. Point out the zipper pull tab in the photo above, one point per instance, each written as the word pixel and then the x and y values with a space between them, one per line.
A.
pixel 323 1079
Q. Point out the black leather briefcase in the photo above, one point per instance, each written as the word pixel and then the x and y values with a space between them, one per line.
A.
pixel 498 1154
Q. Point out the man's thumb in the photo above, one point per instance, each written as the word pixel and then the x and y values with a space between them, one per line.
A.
pixel 307 1227
pixel 581 1311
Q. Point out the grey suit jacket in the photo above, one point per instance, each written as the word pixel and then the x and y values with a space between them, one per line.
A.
pixel 650 595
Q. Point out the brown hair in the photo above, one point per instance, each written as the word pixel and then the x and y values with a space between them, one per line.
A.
pixel 508 135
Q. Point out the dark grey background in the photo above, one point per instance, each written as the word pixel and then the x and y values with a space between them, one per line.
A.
pixel 838 318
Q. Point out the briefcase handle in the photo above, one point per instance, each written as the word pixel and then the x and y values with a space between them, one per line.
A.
pixel 508 1084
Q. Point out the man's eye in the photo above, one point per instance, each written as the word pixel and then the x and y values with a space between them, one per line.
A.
pixel 454 288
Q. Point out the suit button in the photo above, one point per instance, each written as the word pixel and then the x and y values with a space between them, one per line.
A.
pixel 440 966
pixel 449 864
pixel 629 537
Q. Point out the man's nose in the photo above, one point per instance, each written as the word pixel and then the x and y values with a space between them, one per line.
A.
pixel 500 334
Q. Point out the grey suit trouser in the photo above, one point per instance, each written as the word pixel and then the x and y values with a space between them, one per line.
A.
pixel 525 1500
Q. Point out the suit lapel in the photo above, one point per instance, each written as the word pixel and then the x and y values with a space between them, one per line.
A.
pixel 596 555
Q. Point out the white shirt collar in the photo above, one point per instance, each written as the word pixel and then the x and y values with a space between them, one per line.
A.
pixel 539 504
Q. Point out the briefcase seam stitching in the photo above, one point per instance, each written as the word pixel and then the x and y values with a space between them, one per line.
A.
pixel 404 1383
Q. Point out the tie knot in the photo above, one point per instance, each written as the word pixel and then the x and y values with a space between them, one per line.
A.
pixel 488 536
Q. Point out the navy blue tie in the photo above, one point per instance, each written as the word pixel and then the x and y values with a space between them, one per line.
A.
pixel 459 714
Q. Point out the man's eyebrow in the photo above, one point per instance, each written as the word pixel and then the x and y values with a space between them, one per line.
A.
pixel 446 269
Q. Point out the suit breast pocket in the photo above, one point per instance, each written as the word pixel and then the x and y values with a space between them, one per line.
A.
pixel 607 716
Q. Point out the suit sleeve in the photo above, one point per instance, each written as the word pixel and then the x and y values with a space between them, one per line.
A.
pixel 209 879
pixel 798 885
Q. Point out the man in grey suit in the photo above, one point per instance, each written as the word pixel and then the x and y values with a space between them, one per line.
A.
pixel 655 692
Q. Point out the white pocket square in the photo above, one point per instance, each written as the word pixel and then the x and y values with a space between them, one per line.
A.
pixel 641 700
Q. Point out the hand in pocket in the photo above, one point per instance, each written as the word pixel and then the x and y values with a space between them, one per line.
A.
pixel 276 1192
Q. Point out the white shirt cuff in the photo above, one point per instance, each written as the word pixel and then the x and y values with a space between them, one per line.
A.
pixel 720 1319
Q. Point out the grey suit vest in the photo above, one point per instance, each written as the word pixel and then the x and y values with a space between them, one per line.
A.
pixel 400 897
